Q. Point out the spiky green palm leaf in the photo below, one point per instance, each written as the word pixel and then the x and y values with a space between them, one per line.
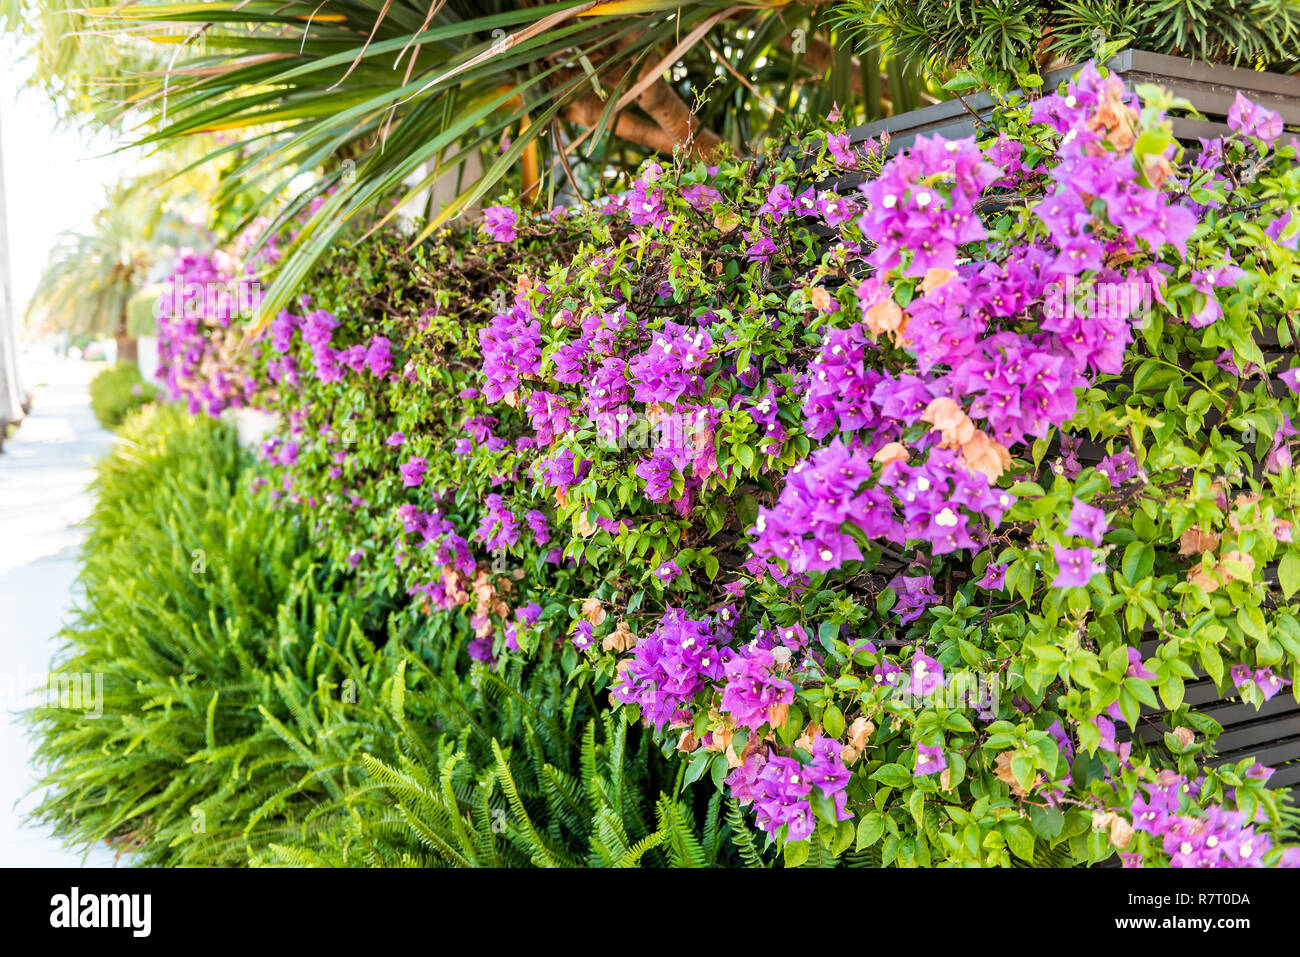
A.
pixel 407 94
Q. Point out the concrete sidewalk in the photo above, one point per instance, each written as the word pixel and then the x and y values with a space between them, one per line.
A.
pixel 44 472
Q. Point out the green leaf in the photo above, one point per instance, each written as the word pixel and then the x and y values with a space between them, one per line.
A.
pixel 869 830
pixel 1047 822
pixel 796 853
pixel 963 81
pixel 1288 573
pixel 1019 840
pixel 1171 692
pixel 833 721
pixel 695 770
pixel 894 775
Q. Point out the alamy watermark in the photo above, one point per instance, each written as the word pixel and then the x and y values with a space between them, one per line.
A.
pixel 672 431
pixel 237 298
pixel 1092 299
pixel 963 690
pixel 74 691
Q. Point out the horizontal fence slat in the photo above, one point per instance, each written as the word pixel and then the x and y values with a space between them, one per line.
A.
pixel 1210 88
pixel 1247 80
pixel 1258 733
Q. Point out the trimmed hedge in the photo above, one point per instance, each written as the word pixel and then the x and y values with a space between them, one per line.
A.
pixel 117 391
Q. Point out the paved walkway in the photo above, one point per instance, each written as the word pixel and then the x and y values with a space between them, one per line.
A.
pixel 44 471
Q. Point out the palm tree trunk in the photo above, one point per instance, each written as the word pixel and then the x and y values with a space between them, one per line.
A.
pixel 11 396
pixel 128 349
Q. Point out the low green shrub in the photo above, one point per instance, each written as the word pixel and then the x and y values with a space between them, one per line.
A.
pixel 117 391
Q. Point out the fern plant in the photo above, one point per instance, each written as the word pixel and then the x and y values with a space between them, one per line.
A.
pixel 516 786
pixel 215 653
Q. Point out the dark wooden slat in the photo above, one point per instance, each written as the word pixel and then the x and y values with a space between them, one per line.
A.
pixel 1172 66
pixel 1229 713
pixel 1210 88
pixel 1271 754
pixel 1186 129
pixel 1258 733
pixel 1216 99
pixel 1236 717
pixel 1287 777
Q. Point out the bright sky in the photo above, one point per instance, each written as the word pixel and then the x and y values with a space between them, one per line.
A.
pixel 55 178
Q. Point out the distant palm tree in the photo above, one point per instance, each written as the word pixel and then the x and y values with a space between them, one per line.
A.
pixel 11 397
pixel 92 276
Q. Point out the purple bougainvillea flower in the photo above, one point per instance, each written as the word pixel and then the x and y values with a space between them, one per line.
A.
pixel 793 636
pixel 779 202
pixel 668 571
pixel 995 577
pixel 1151 814
pixel 841 148
pixel 1279 457
pixel 1119 468
pixel 396 439
pixel 582 637
pixel 282 330
pixel 915 594
pixel 1289 377
pixel 1275 229
pixel 413 471
pixel 1260 772
pixel 779 787
pixel 537 523
pixel 1107 729
pixel 379 357
pixel 929 760
pixel 500 223
pixel 781 798
pixel 1269 683
pixel 1077 567
pixel 1063 743
pixel 670 665
pixel 1135 667
pixel 886 673
pixel 1251 119
pixel 1087 521
pixel 701 197
pixel 512 637
pixel 1205 281
pixel 319 328
pixel 753 687
pixel 926 675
